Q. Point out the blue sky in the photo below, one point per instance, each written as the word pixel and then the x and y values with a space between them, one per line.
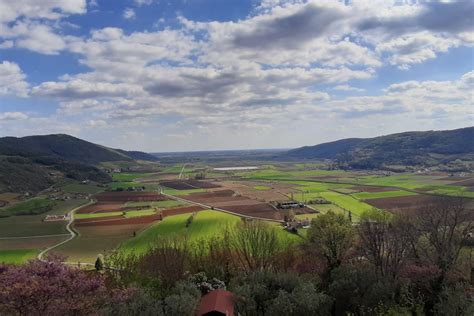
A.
pixel 178 75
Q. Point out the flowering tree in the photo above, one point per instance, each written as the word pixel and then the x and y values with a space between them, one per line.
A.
pixel 49 288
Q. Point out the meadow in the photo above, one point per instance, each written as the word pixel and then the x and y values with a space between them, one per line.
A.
pixel 206 224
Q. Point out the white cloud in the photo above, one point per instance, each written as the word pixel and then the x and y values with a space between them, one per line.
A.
pixel 345 87
pixel 12 116
pixel 129 14
pixel 142 2
pixel 44 9
pixel 30 24
pixel 12 80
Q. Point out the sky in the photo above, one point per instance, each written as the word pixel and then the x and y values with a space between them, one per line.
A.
pixel 183 75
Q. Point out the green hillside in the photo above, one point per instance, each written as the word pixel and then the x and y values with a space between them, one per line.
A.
pixel 411 148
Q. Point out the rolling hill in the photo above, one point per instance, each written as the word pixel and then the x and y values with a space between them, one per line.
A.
pixel 33 163
pixel 409 148
pixel 66 147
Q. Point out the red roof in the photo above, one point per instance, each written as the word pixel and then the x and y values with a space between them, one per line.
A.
pixel 219 300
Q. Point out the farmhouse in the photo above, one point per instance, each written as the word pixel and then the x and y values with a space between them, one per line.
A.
pixel 217 303
pixel 56 218
pixel 284 205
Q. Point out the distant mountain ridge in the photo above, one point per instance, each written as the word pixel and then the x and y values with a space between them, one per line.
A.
pixel 33 163
pixel 409 148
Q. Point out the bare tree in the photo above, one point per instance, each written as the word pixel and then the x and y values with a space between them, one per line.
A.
pixel 384 242
pixel 445 226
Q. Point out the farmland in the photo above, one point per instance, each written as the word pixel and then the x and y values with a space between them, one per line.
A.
pixel 206 224
pixel 131 220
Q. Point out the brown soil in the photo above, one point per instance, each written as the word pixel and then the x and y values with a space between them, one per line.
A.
pixel 465 183
pixel 402 202
pixel 121 221
pixel 181 210
pixel 30 243
pixel 129 196
pixel 100 208
pixel 262 210
pixel 98 219
pixel 189 184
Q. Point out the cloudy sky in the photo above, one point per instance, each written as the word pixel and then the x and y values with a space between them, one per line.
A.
pixel 177 75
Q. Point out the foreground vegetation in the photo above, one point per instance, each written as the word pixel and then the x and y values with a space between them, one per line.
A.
pixel 410 264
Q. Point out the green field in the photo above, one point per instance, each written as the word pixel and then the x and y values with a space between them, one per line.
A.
pixel 261 187
pixel 82 188
pixel 206 224
pixel 379 195
pixel 182 192
pixel 34 206
pixel 174 169
pixel 131 214
pixel 129 177
pixel 409 181
pixel 430 184
pixel 97 215
pixel 128 214
pixel 130 184
pixel 347 202
pixel 17 256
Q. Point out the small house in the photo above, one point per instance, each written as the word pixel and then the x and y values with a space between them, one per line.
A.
pixel 216 303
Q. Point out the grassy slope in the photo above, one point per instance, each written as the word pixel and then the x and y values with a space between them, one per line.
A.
pixel 206 224
pixel 347 202
pixel 17 256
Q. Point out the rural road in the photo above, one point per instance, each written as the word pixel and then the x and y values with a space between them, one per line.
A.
pixel 72 233
pixel 219 209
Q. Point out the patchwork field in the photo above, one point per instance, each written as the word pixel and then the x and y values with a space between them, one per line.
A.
pixel 132 220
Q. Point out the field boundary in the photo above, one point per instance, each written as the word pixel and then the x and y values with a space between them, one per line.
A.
pixel 220 209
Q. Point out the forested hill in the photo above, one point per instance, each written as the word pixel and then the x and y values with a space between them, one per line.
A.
pixel 409 148
pixel 65 147
pixel 33 163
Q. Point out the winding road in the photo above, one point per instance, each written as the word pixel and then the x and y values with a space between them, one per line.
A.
pixel 72 233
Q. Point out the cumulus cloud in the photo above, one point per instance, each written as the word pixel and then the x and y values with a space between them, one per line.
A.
pixel 29 24
pixel 270 68
pixel 12 80
pixel 44 9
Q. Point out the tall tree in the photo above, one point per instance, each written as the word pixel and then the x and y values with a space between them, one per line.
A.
pixel 331 236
